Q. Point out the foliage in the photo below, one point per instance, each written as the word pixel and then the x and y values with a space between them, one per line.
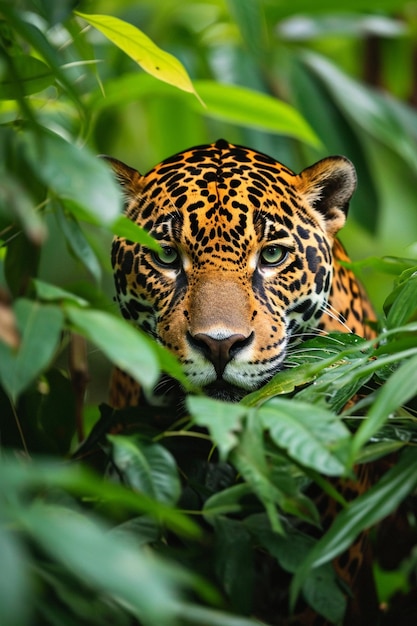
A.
pixel 174 532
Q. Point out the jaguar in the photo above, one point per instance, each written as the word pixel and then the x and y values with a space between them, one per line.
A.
pixel 248 265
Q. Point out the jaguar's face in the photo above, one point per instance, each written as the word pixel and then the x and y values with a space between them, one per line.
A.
pixel 245 264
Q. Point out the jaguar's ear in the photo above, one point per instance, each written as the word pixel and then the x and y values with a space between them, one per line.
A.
pixel 328 187
pixel 128 178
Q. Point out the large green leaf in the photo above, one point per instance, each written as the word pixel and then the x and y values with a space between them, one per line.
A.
pixel 315 360
pixel 223 420
pixel 141 49
pixel 19 479
pixel 124 345
pixel 283 382
pixel 249 458
pixel 312 436
pixel 146 467
pixel 52 293
pixel 40 327
pixel 76 176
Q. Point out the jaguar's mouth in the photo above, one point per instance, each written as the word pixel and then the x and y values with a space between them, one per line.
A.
pixel 221 390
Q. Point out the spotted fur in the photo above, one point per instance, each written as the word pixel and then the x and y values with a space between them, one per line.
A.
pixel 250 263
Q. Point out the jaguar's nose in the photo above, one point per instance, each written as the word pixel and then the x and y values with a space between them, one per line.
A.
pixel 219 351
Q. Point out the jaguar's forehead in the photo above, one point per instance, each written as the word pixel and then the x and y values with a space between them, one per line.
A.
pixel 218 186
pixel 219 168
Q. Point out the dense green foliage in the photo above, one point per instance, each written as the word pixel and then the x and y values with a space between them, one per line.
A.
pixel 173 533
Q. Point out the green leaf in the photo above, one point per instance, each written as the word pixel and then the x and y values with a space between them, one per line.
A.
pixel 27 75
pixel 222 419
pixel 19 479
pixel 397 390
pixel 40 327
pixel 146 467
pixel 312 436
pixel 142 50
pixel 123 344
pixel 169 364
pixel 337 385
pixel 402 303
pixel 46 291
pixel 246 107
pixel 78 242
pixel 250 461
pixel 116 568
pixel 314 360
pixel 78 178
pixel 124 227
pixel 15 591
pixel 282 383
pixel 323 593
pixel 226 501
pixel 365 511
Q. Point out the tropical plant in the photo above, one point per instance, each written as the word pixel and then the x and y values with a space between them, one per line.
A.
pixel 165 525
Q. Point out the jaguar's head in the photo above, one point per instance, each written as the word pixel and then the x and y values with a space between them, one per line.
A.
pixel 245 264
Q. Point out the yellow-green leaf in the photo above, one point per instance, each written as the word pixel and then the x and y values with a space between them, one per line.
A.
pixel 142 50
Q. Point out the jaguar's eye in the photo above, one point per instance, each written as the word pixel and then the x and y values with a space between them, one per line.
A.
pixel 273 255
pixel 167 257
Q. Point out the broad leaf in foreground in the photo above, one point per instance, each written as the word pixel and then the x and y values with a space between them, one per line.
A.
pixel 40 327
pixel 142 50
